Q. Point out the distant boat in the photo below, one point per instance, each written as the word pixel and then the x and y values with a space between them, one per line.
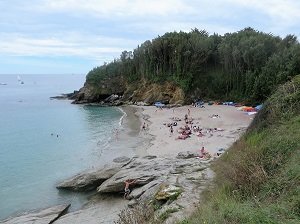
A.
pixel 3 84
pixel 20 80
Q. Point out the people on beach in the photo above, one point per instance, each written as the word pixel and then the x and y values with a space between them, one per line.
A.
pixel 144 126
pixel 126 188
pixel 171 130
pixel 204 154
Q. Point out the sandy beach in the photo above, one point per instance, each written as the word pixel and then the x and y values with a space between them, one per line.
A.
pixel 227 127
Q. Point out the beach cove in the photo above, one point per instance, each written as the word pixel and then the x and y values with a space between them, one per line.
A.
pixel 162 159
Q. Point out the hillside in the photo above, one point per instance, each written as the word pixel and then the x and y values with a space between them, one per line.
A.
pixel 180 67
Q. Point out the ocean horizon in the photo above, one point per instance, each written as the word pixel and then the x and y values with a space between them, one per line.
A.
pixel 44 141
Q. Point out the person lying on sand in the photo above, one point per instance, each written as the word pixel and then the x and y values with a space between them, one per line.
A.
pixel 182 137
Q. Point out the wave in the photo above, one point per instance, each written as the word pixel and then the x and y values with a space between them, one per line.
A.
pixel 122 117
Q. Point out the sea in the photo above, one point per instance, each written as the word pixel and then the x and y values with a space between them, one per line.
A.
pixel 44 141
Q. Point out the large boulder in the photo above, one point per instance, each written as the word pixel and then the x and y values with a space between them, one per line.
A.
pixel 90 180
pixel 143 170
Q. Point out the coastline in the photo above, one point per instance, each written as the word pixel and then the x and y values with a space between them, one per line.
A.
pixel 156 140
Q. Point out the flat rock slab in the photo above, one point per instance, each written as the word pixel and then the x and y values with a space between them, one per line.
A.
pixel 45 216
pixel 143 170
pixel 147 169
pixel 91 179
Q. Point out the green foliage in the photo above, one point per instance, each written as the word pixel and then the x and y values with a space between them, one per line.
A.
pixel 243 65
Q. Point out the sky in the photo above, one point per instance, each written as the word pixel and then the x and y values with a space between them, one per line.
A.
pixel 74 36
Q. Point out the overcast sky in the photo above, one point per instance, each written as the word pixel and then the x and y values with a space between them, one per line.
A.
pixel 73 36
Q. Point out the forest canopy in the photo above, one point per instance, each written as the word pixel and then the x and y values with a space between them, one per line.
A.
pixel 247 64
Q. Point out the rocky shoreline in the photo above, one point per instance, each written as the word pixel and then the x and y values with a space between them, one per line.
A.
pixel 185 175
pixel 170 180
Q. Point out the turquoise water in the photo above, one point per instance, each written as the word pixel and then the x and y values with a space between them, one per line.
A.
pixel 32 158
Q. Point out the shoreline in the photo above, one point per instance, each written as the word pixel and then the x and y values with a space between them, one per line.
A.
pixel 156 140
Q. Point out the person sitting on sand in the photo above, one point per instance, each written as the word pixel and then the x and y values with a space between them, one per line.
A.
pixel 126 188
pixel 204 153
pixel 200 134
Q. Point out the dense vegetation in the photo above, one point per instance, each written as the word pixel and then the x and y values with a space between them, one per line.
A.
pixel 258 181
pixel 244 65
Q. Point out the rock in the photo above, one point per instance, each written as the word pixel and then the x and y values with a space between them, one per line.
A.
pixel 48 215
pixel 150 157
pixel 111 98
pixel 168 191
pixel 90 180
pixel 186 155
pixel 143 170
pixel 132 203
pixel 121 159
pixel 106 87
pixel 136 193
pixel 162 177
pixel 102 212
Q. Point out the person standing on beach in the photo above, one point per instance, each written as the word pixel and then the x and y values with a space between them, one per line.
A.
pixel 171 130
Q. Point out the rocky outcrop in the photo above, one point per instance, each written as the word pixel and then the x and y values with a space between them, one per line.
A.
pixel 65 96
pixel 143 170
pixel 115 91
pixel 167 93
pixel 90 180
pixel 175 182
pixel 48 215
pixel 93 92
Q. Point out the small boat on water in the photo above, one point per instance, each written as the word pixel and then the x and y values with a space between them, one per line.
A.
pixel 3 84
pixel 20 80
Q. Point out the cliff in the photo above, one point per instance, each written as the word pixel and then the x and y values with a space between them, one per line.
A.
pixel 142 91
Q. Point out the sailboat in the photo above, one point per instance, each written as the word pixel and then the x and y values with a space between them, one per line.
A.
pixel 20 80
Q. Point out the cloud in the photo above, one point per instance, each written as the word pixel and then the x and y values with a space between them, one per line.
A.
pixel 119 8
pixel 93 47
pixel 281 12
pixel 99 30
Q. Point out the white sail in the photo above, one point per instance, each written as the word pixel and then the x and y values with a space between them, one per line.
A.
pixel 19 78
